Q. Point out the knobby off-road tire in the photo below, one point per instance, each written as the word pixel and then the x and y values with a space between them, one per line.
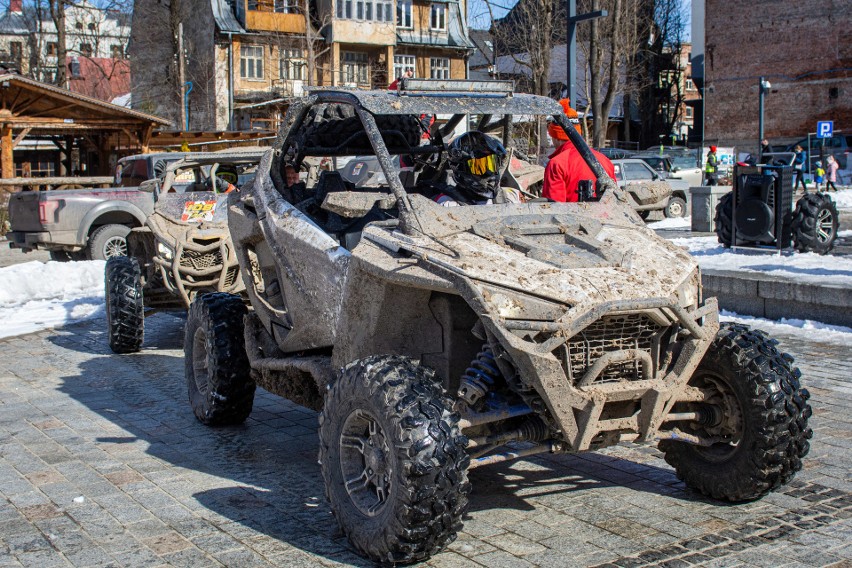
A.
pixel 763 387
pixel 676 208
pixel 108 241
pixel 218 375
pixel 125 305
pixel 330 125
pixel 815 222
pixel 393 460
pixel 724 219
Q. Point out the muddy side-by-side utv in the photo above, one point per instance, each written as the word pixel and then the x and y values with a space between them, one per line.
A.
pixel 438 339
pixel 183 250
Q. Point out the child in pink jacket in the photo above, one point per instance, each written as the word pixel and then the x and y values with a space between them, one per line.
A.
pixel 831 173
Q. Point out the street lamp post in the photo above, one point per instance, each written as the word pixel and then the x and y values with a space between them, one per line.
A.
pixel 571 46
pixel 763 88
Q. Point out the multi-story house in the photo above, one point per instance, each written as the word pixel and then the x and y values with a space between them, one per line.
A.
pixel 90 32
pixel 14 38
pixel 247 59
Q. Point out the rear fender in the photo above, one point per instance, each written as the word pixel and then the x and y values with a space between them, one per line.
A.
pixel 118 212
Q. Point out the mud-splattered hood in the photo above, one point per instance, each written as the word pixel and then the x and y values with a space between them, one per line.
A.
pixel 568 253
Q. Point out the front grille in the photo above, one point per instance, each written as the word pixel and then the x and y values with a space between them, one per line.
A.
pixel 200 260
pixel 608 334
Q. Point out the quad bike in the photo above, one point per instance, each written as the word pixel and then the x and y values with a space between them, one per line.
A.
pixel 434 340
pixel 183 250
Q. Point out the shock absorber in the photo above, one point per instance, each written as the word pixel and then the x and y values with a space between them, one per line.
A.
pixel 479 377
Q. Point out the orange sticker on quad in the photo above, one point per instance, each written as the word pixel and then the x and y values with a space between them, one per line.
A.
pixel 198 211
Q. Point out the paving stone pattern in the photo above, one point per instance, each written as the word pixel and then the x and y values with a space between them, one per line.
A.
pixel 102 463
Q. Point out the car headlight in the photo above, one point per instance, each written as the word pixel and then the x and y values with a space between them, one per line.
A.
pixel 165 251
pixel 509 304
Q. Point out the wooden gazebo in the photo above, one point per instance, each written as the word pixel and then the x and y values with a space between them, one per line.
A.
pixel 30 110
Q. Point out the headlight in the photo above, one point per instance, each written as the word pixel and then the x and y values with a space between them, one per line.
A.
pixel 687 293
pixel 510 304
pixel 165 251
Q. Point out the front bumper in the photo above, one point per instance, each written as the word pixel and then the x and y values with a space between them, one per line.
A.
pixel 614 372
pixel 200 267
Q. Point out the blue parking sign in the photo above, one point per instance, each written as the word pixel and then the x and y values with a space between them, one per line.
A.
pixel 825 128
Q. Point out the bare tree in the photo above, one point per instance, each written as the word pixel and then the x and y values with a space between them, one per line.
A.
pixel 610 45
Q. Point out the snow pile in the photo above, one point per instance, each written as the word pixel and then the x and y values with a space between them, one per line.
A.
pixel 674 223
pixel 807 267
pixel 37 295
pixel 842 198
pixel 799 328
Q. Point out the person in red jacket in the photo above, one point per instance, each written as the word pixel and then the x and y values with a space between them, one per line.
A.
pixel 567 167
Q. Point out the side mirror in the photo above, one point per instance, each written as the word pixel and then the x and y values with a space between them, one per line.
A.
pixel 150 186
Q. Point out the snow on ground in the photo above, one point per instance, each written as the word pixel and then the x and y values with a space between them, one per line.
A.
pixel 37 295
pixel 675 223
pixel 801 328
pixel 842 198
pixel 803 267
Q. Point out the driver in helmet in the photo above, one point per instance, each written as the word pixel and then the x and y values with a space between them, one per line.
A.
pixel 477 162
pixel 226 179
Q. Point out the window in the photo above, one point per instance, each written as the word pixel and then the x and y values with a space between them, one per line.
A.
pixel 403 13
pixel 355 68
pixel 251 62
pixel 369 10
pixel 689 85
pixel 79 25
pixel 116 51
pixel 402 63
pixel 344 9
pixel 638 171
pixel 440 67
pixel 91 27
pixel 86 49
pixel 688 112
pixel 286 7
pixel 52 48
pixel 438 20
pixel 293 64
pixel 384 11
pixel 617 168
pixel 16 49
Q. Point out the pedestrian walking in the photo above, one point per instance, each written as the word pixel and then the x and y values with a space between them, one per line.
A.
pixel 711 167
pixel 799 167
pixel 765 148
pixel 831 173
pixel 819 175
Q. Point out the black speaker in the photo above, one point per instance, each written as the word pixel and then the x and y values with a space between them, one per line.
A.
pixel 763 205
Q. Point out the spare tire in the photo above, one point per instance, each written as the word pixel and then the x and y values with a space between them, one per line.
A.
pixel 327 126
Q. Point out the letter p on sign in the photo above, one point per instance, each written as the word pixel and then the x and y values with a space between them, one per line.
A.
pixel 825 129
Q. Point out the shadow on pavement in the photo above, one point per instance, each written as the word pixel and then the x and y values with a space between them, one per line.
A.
pixel 266 469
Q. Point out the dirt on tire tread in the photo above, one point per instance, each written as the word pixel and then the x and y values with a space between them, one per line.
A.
pixel 429 447
pixel 779 413
pixel 124 304
pixel 230 395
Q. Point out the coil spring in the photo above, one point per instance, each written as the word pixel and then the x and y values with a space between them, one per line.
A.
pixel 479 377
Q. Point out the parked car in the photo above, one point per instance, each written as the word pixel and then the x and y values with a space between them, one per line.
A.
pixel 649 190
pixel 839 145
pixel 87 223
pixel 615 153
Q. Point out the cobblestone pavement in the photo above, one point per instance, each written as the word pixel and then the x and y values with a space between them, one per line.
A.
pixel 103 464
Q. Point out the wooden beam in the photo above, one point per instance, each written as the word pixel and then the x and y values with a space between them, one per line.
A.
pixel 54 109
pixel 21 135
pixel 68 180
pixel 27 104
pixel 69 126
pixel 7 160
pixel 146 138
pixel 123 121
pixel 133 136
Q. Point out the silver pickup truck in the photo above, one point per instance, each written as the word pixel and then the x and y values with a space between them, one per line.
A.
pixel 87 223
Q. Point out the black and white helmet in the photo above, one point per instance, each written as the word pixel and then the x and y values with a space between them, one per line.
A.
pixel 477 161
